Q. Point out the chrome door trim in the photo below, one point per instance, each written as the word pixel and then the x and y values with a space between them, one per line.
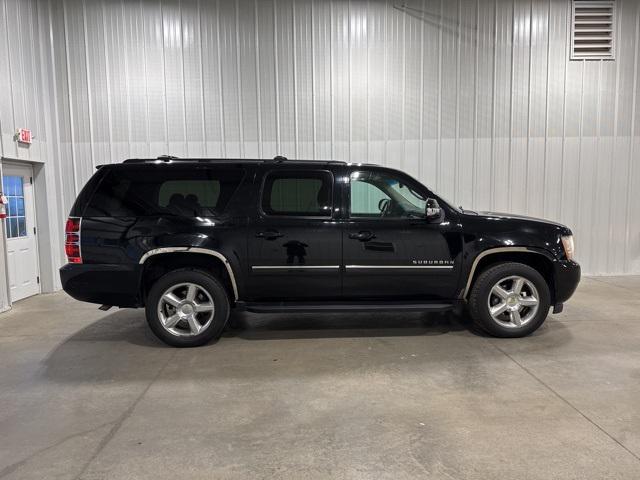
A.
pixel 206 251
pixel 490 251
pixel 448 267
pixel 291 267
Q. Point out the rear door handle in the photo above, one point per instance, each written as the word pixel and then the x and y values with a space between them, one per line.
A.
pixel 269 235
pixel 363 236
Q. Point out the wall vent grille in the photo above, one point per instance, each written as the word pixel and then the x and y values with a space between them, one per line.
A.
pixel 593 30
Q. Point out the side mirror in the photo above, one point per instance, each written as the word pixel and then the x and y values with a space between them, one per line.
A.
pixel 432 210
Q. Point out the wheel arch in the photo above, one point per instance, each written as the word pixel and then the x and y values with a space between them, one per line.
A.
pixel 158 261
pixel 536 259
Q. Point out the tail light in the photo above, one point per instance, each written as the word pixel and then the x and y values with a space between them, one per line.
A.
pixel 72 240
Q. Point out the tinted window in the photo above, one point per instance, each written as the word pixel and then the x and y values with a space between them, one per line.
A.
pixel 135 192
pixel 380 194
pixel 298 193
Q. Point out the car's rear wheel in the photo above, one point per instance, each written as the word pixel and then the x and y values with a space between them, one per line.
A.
pixel 509 300
pixel 187 308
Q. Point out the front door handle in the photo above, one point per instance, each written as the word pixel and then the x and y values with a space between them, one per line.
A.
pixel 363 236
pixel 269 235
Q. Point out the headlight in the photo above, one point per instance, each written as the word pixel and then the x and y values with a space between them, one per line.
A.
pixel 569 248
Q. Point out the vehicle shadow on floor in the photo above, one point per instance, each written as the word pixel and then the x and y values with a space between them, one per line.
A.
pixel 121 347
pixel 353 325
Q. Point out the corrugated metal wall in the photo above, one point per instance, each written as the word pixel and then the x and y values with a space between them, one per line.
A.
pixel 23 99
pixel 477 98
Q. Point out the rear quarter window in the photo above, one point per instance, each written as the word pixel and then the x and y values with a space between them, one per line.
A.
pixel 158 190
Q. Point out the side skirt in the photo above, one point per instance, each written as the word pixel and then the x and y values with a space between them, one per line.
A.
pixel 337 307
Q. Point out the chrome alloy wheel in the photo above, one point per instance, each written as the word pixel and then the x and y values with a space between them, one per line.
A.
pixel 513 302
pixel 186 309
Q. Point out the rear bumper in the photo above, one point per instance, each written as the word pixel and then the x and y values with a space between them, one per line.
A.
pixel 116 285
pixel 567 278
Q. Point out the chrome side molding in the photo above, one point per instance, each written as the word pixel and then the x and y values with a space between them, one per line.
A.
pixel 399 267
pixel 295 267
pixel 206 251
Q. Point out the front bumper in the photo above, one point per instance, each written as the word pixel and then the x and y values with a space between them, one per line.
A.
pixel 567 278
pixel 116 285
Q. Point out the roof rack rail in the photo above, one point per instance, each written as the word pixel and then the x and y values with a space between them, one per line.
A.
pixel 167 157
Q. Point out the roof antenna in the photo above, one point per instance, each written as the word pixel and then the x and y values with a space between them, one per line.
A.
pixel 279 158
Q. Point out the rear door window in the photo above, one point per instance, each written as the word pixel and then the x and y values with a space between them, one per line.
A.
pixel 298 193
pixel 136 192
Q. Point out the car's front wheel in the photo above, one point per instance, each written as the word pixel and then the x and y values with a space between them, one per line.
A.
pixel 509 300
pixel 187 308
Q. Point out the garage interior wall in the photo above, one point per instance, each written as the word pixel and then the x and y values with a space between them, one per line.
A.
pixel 476 98
pixel 25 92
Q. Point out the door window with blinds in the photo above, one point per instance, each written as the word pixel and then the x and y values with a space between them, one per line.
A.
pixel 302 193
pixel 16 221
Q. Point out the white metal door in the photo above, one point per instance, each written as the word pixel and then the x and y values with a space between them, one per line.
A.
pixel 22 253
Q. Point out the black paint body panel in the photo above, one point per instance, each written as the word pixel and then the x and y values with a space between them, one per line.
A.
pixel 113 248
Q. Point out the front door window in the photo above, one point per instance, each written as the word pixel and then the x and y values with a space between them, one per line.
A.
pixel 379 195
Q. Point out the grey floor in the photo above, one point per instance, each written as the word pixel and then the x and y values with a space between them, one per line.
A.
pixel 88 394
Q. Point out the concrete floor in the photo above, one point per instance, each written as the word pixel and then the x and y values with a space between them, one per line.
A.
pixel 93 395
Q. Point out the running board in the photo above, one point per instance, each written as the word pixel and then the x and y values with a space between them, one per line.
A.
pixel 337 307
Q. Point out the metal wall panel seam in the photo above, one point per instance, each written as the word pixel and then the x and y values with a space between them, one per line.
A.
pixel 146 78
pixel 70 99
pixel 367 85
pixel 107 69
pixel 35 57
pixel 184 83
pixel 10 69
pixel 55 125
pixel 598 109
pixel 564 109
pixel 493 106
pixel 439 117
pixel 223 137
pixel 456 143
pixel 203 117
pixel 258 88
pixel 164 81
pixel 331 109
pixel 474 170
pixel 546 111
pixel 512 75
pixel 21 66
pixel 126 84
pixel 277 82
pixel 35 51
pixel 421 123
pixel 349 41
pixel 526 168
pixel 239 80
pixel 618 27
pixel 313 85
pixel 385 122
pixel 295 80
pixel 88 76
pixel 631 149
pixel 404 92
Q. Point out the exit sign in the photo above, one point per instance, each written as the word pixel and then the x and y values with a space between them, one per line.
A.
pixel 24 136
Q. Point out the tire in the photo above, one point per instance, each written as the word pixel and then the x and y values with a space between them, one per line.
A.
pixel 512 301
pixel 178 308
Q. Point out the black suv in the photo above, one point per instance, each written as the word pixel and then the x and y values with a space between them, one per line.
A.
pixel 189 239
